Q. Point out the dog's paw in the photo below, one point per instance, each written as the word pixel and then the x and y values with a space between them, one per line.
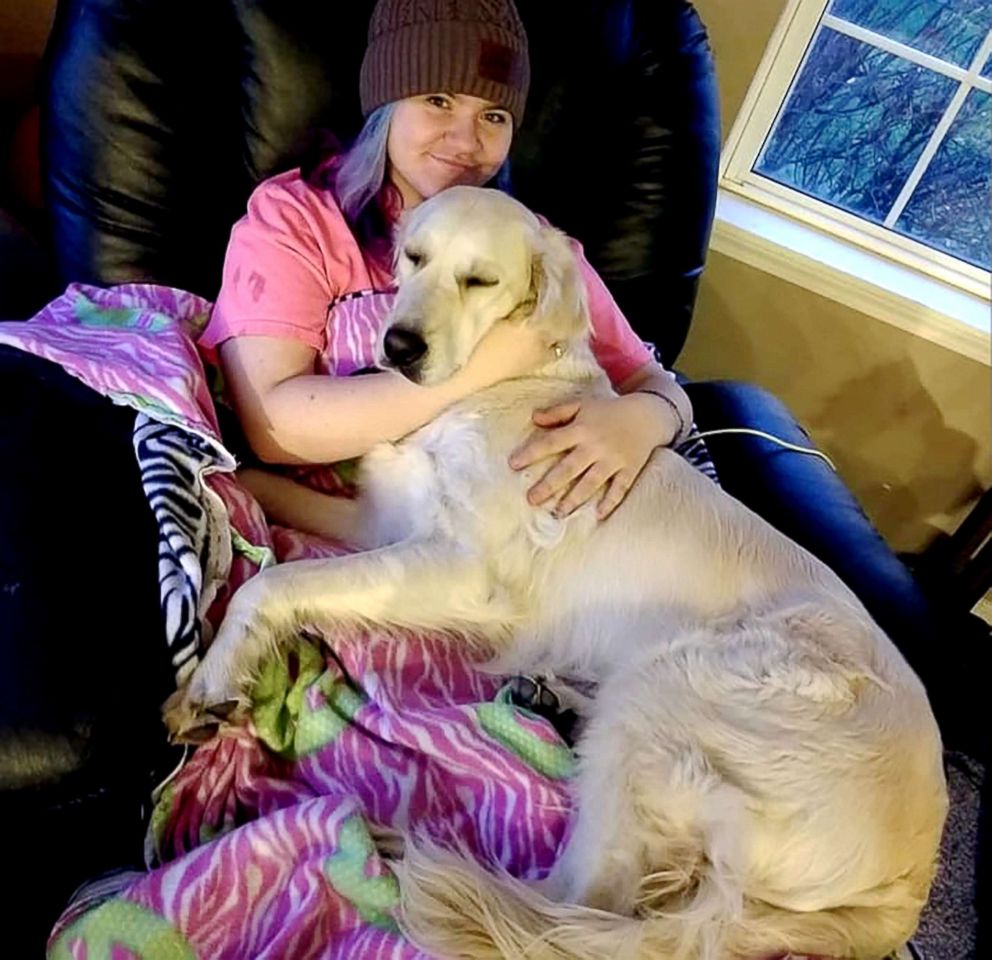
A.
pixel 192 716
pixel 185 721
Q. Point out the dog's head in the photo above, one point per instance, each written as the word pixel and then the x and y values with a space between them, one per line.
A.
pixel 469 258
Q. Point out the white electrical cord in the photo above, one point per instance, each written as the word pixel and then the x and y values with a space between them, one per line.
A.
pixel 766 436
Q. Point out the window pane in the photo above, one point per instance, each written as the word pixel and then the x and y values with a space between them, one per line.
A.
pixel 987 69
pixel 854 124
pixel 949 208
pixel 950 29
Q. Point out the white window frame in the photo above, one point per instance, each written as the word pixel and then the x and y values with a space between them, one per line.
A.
pixel 784 57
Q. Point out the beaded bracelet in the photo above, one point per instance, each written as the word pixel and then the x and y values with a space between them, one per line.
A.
pixel 683 429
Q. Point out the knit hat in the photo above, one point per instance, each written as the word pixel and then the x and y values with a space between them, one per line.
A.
pixel 475 47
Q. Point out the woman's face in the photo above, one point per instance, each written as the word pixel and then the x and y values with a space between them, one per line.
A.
pixel 438 140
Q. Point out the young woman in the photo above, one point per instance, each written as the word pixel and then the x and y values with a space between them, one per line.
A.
pixel 443 87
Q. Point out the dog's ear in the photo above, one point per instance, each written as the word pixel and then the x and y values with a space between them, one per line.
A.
pixel 557 286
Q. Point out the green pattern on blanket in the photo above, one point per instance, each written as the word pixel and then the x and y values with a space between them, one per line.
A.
pixel 262 557
pixel 348 870
pixel 161 813
pixel 92 315
pixel 294 720
pixel 501 720
pixel 118 924
pixel 347 470
pixel 151 408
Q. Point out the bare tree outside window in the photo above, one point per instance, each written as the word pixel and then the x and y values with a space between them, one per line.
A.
pixel 890 118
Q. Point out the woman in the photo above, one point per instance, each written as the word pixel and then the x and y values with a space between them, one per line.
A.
pixel 442 98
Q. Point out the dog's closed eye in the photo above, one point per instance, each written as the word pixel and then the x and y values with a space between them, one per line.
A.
pixel 414 257
pixel 476 281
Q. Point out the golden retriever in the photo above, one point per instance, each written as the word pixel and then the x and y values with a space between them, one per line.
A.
pixel 760 770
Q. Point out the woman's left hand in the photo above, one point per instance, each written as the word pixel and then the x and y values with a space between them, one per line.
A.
pixel 602 445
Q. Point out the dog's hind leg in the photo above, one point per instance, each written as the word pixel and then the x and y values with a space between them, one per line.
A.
pixel 425 585
pixel 599 866
pixel 656 825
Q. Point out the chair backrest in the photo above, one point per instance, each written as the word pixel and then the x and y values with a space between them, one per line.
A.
pixel 161 115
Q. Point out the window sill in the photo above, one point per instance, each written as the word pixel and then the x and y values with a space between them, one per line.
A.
pixel 923 306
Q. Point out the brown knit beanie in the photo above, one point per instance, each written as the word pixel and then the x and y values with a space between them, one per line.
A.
pixel 475 47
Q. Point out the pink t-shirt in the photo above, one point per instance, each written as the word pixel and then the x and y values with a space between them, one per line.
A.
pixel 294 269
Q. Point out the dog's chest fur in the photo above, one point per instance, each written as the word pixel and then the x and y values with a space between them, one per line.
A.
pixel 451 479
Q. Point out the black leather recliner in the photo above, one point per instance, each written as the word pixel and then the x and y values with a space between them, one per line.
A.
pixel 159 116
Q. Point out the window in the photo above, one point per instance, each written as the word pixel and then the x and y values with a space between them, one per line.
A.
pixel 872 119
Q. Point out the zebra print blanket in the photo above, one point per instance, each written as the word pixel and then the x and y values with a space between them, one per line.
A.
pixel 194 546
pixel 262 844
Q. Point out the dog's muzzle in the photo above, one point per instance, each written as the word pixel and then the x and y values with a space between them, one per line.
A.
pixel 403 348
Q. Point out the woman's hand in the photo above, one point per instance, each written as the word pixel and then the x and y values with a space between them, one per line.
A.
pixel 602 444
pixel 508 350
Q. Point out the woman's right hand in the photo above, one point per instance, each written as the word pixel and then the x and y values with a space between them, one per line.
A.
pixel 508 350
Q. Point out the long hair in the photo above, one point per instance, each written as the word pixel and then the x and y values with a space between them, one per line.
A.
pixel 361 174
pixel 357 179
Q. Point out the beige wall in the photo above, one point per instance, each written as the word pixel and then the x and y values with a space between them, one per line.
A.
pixel 739 31
pixel 906 421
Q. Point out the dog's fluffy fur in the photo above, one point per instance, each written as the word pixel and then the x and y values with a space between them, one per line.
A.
pixel 760 770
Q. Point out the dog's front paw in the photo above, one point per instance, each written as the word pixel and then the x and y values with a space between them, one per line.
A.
pixel 216 692
pixel 196 711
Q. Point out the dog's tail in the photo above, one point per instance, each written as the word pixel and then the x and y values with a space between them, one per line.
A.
pixel 457 910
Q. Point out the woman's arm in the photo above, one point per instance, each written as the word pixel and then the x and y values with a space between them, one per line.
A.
pixel 294 505
pixel 292 416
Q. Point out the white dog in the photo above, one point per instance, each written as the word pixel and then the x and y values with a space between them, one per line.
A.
pixel 760 770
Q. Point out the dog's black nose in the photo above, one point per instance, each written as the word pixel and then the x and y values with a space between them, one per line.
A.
pixel 403 347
